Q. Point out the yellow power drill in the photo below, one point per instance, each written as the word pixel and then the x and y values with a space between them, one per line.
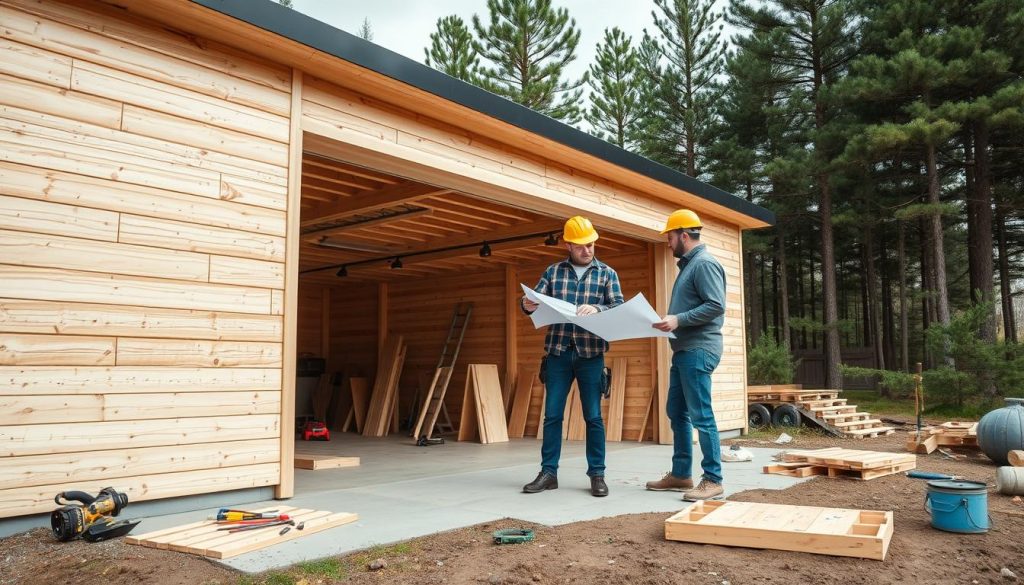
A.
pixel 92 517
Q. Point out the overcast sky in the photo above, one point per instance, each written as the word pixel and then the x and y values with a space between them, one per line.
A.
pixel 404 26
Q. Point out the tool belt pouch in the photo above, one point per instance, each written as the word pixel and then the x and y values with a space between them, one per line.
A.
pixel 543 370
pixel 606 383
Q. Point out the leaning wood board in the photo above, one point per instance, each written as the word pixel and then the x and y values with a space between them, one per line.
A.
pixel 826 531
pixel 317 462
pixel 202 538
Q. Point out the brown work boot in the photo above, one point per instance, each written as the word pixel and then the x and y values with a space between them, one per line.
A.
pixel 705 490
pixel 670 483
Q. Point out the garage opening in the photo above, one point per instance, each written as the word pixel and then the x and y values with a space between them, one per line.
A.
pixel 383 256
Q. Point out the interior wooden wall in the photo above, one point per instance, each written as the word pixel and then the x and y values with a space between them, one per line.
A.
pixel 142 197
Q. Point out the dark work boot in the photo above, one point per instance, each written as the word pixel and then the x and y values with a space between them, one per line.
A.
pixel 598 488
pixel 544 481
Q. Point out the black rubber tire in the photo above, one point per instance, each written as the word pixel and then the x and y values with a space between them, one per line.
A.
pixel 758 416
pixel 786 415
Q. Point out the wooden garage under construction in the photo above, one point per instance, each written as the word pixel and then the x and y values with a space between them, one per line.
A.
pixel 195 195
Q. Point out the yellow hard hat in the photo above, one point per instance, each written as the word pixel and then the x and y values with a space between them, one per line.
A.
pixel 579 230
pixel 682 219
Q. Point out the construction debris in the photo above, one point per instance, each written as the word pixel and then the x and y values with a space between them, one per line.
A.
pixel 948 434
pixel 822 408
pixel 838 462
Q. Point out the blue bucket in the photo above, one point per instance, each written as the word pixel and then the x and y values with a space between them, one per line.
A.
pixel 958 506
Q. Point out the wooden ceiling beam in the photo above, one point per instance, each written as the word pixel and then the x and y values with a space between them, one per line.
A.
pixel 367 201
pixel 324 233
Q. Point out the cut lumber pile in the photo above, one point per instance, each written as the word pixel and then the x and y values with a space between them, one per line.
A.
pixel 483 412
pixel 617 400
pixel 823 407
pixel 384 398
pixel 316 462
pixel 948 434
pixel 825 531
pixel 839 462
pixel 203 538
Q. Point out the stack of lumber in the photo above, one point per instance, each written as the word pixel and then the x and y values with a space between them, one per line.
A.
pixel 380 413
pixel 823 407
pixel 839 462
pixel 483 412
pixel 948 434
pixel 203 538
pixel 825 531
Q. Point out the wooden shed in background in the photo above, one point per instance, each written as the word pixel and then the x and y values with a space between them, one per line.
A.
pixel 179 183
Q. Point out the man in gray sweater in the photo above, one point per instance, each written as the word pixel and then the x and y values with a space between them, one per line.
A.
pixel 695 314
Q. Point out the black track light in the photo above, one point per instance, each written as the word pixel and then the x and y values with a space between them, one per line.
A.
pixel 343 271
pixel 396 264
pixel 485 250
pixel 551 240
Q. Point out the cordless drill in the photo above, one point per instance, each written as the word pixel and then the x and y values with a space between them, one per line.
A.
pixel 92 517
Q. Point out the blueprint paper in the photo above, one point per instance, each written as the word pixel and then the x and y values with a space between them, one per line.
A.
pixel 630 320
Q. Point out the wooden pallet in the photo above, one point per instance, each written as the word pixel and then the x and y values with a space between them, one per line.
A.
pixel 838 462
pixel 203 538
pixel 948 434
pixel 823 408
pixel 317 462
pixel 827 531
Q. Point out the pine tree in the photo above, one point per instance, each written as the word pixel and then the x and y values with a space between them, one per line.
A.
pixel 451 50
pixel 810 45
pixel 614 91
pixel 365 30
pixel 693 54
pixel 529 44
pixel 285 3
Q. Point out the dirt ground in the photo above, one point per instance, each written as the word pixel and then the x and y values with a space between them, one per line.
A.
pixel 625 549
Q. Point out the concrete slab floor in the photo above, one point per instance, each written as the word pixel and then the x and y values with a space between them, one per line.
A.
pixel 401 491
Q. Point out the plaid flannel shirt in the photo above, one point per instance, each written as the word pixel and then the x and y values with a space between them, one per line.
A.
pixel 598 287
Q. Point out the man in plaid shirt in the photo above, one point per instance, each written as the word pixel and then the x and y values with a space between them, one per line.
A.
pixel 574 353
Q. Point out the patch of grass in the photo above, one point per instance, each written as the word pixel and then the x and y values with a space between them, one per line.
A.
pixel 246 580
pixel 279 579
pixel 871 401
pixel 771 433
pixel 324 568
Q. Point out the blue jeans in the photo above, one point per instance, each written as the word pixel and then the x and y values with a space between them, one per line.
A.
pixel 588 372
pixel 689 407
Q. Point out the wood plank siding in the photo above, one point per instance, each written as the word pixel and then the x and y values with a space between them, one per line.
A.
pixel 143 187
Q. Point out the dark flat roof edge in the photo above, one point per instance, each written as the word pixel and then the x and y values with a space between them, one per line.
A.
pixel 291 24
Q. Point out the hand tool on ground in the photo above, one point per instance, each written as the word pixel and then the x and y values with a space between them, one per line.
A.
pixel 92 517
pixel 234 529
pixel 512 535
pixel 236 515
pixel 256 520
pixel 929 475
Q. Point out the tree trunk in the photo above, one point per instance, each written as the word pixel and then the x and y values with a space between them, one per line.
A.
pixel 780 258
pixel 1009 326
pixel 764 298
pixel 938 253
pixel 753 298
pixel 904 306
pixel 814 296
pixel 867 333
pixel 800 309
pixel 980 239
pixel 874 323
pixel 775 298
pixel 927 285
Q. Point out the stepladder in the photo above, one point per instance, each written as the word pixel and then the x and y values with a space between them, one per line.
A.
pixel 433 415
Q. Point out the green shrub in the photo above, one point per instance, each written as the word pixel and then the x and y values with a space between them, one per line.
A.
pixel 769 362
pixel 893 384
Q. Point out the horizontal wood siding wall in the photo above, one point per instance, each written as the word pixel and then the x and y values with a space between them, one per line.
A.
pixel 729 380
pixel 143 182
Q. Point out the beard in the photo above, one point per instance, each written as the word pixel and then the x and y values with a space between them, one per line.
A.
pixel 677 249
